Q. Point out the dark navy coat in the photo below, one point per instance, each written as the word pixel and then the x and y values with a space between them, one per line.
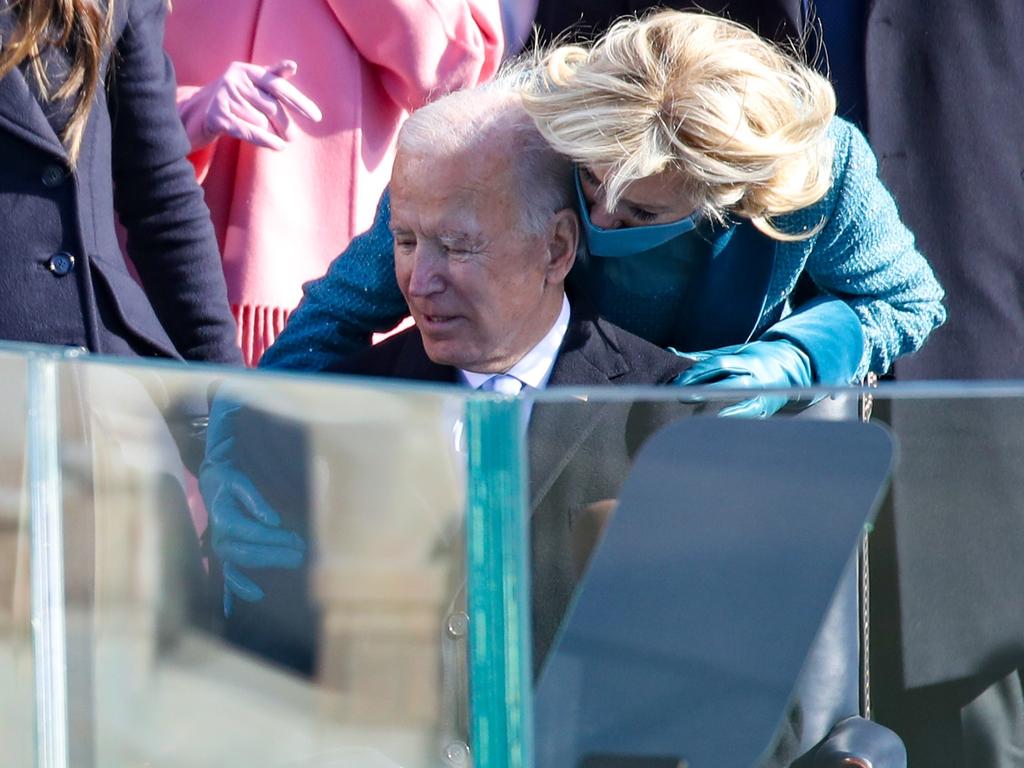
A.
pixel 780 20
pixel 62 276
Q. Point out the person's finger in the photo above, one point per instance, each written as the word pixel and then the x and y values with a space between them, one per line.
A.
pixel 735 380
pixel 267 108
pixel 237 583
pixel 278 87
pixel 247 123
pixel 260 137
pixel 708 372
pixel 244 491
pixel 284 68
pixel 748 409
pixel 234 527
pixel 260 556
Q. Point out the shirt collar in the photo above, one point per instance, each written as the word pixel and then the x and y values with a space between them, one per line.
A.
pixel 534 368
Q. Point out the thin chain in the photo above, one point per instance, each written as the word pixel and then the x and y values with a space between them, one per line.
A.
pixel 867 402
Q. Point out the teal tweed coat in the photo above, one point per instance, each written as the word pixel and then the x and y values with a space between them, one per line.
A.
pixel 861 256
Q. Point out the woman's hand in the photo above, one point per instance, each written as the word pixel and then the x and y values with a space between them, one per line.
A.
pixel 250 103
pixel 246 532
pixel 756 365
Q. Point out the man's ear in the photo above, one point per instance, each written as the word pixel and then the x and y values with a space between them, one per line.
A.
pixel 563 240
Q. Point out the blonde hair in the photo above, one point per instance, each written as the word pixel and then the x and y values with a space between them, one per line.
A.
pixel 740 123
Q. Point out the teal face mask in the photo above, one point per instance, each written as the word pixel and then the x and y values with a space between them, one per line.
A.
pixel 628 241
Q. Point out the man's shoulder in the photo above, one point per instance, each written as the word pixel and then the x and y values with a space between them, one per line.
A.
pixel 630 359
pixel 399 357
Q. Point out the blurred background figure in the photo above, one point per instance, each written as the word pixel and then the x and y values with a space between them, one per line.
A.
pixel 292 110
pixel 937 87
pixel 779 20
pixel 517 18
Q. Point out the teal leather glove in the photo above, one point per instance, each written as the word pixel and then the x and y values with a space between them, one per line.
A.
pixel 755 365
pixel 245 531
pixel 821 343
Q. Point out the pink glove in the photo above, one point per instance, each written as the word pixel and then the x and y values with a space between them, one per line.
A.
pixel 250 103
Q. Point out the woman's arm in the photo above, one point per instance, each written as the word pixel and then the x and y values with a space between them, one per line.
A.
pixel 170 237
pixel 866 256
pixel 424 48
pixel 340 311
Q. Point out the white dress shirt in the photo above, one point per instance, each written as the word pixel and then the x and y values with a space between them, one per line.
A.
pixel 533 368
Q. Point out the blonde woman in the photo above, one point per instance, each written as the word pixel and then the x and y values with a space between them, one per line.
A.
pixel 88 126
pixel 712 177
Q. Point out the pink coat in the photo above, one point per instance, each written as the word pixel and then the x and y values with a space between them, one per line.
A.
pixel 281 217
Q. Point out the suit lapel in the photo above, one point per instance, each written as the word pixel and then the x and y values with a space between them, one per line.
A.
pixel 20 113
pixel 557 430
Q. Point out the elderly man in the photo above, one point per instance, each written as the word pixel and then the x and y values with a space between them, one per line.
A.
pixel 484 237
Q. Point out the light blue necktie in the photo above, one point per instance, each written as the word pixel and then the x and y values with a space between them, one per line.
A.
pixel 503 384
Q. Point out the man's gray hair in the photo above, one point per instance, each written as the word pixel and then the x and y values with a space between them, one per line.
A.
pixel 492 115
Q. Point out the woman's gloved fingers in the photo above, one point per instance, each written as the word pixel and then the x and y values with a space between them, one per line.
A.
pixel 239 490
pixel 278 87
pixel 759 407
pixel 265 111
pixel 232 524
pixel 754 408
pixel 254 134
pixel 735 380
pixel 710 371
pixel 245 555
pixel 242 585
pixel 237 583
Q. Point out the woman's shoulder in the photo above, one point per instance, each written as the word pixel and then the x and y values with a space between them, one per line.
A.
pixel 852 158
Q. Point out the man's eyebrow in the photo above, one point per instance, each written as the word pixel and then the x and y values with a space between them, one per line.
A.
pixel 453 236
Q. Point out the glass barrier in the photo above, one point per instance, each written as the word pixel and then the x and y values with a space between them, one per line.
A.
pixel 17 671
pixel 357 652
pixel 428 576
pixel 674 599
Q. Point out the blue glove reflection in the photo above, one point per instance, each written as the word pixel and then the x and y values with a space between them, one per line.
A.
pixel 245 530
pixel 755 365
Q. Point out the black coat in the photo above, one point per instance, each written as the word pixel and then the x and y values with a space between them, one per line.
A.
pixel 579 452
pixel 777 19
pixel 64 280
pixel 941 95
pixel 944 81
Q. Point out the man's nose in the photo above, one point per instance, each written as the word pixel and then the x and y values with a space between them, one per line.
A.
pixel 426 278
pixel 601 217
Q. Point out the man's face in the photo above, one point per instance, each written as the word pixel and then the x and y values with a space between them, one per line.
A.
pixel 475 281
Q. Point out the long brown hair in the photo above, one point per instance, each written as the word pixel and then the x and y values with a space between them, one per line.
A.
pixel 82 27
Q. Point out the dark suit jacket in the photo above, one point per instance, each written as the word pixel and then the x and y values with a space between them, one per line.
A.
pixel 133 155
pixel 939 89
pixel 579 452
pixel 777 19
pixel 944 113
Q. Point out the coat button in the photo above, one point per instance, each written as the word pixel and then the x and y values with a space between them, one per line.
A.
pixel 61 263
pixel 458 624
pixel 53 176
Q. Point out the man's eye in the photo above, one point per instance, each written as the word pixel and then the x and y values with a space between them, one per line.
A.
pixel 404 244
